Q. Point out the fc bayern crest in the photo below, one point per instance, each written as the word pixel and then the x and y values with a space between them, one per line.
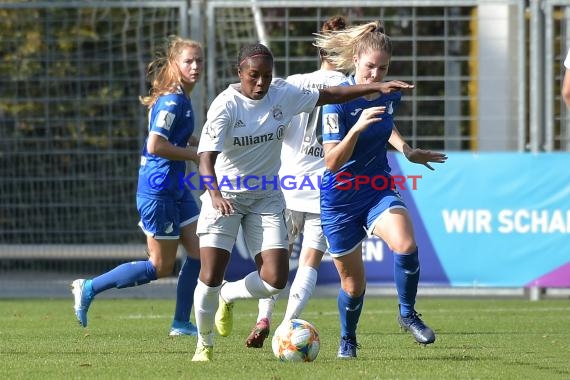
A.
pixel 277 113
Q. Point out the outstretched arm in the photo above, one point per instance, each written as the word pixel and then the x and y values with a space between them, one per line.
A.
pixel 418 156
pixel 341 94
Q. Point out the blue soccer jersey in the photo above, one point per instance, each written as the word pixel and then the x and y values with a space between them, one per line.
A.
pixel 369 156
pixel 348 194
pixel 171 117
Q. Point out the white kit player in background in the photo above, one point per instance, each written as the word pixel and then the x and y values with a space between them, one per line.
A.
pixel 230 150
pixel 302 160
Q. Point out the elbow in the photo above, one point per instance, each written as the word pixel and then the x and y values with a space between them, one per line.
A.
pixel 565 88
pixel 153 148
pixel 332 165
pixel 155 145
pixel 206 163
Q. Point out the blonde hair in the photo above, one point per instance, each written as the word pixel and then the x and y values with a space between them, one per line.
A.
pixel 162 71
pixel 341 46
pixel 332 24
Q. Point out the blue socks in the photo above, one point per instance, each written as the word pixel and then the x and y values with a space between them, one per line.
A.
pixel 349 310
pixel 407 276
pixel 187 281
pixel 124 276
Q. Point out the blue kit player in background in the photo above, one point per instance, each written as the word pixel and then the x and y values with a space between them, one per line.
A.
pixel 355 137
pixel 167 209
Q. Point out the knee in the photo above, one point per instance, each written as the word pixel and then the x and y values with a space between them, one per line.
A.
pixel 403 246
pixel 164 270
pixel 210 279
pixel 162 256
pixel 277 282
pixel 274 272
pixel 354 287
pixel 163 267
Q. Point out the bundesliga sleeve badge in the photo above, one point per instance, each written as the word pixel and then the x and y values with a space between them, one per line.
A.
pixel 330 123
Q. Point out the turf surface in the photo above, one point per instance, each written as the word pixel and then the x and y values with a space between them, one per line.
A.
pixel 128 339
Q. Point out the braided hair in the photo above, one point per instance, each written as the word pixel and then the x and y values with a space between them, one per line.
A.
pixel 253 50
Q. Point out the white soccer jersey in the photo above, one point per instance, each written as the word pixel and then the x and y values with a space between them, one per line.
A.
pixel 249 135
pixel 302 156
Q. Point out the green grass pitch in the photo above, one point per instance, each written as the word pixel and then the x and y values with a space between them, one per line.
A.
pixel 127 339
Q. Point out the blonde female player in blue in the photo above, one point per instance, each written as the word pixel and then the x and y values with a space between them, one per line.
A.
pixel 355 135
pixel 167 209
pixel 242 139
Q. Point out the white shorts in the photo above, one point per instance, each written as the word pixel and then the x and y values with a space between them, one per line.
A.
pixel 262 221
pixel 309 225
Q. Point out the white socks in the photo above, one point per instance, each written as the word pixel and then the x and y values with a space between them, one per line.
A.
pixel 251 286
pixel 265 307
pixel 300 292
pixel 205 306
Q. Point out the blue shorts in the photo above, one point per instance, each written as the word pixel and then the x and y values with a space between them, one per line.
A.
pixel 345 227
pixel 162 219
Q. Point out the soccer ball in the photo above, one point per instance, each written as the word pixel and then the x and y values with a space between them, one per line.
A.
pixel 296 341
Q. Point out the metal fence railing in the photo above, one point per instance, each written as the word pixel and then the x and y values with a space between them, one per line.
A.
pixel 71 123
pixel 435 46
pixel 553 21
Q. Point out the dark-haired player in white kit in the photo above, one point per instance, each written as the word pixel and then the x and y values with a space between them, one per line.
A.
pixel 302 165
